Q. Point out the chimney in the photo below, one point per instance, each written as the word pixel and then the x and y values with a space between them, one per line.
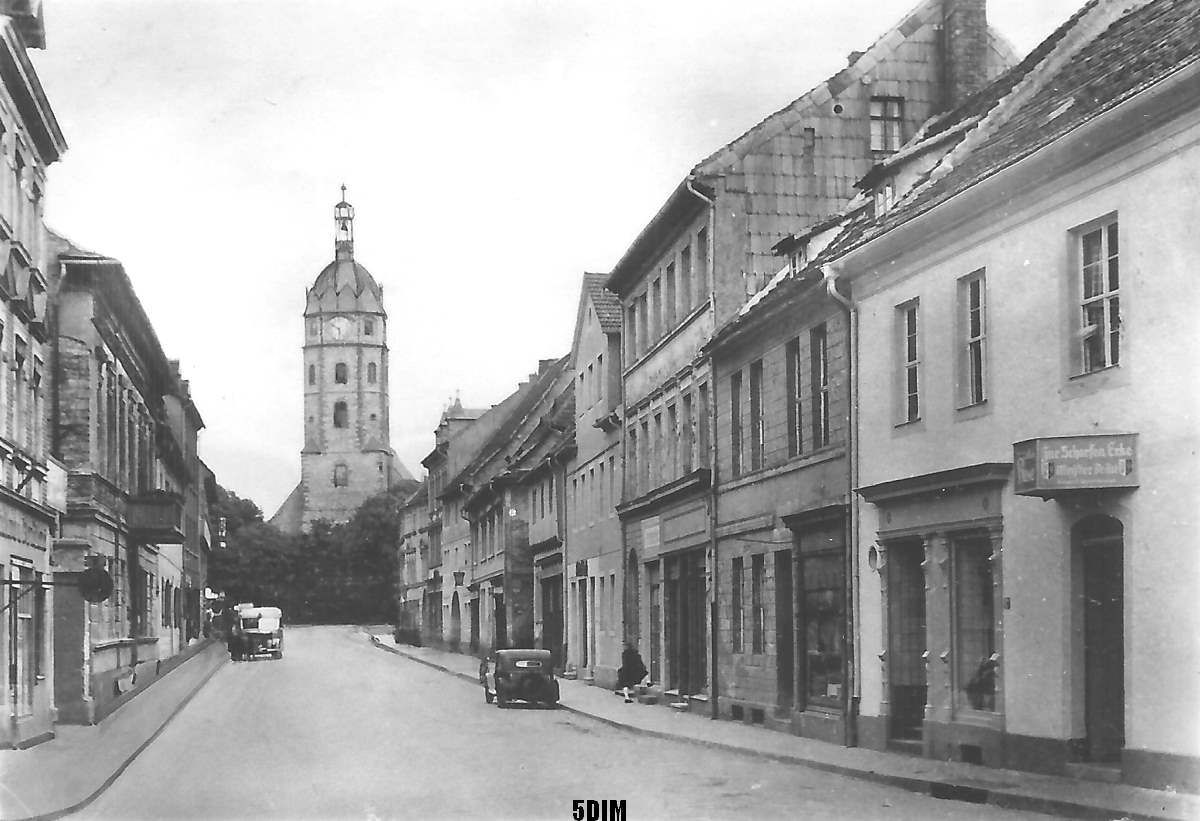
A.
pixel 964 49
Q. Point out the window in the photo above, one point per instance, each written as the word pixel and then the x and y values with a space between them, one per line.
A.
pixel 795 420
pixel 687 438
pixel 655 330
pixel 972 358
pixel 669 298
pixel 590 385
pixel 368 327
pixel 887 121
pixel 685 278
pixel 631 331
pixel 702 264
pixel 735 625
pixel 1101 329
pixel 644 455
pixel 313 327
pixel 632 455
pixel 672 464
pixel 702 458
pixel 974 625
pixel 657 469
pixel 910 363
pixel 341 373
pixel 341 475
pixel 757 613
pixel 372 373
pixel 340 415
pixel 819 352
pixel 735 423
pixel 757 442
pixel 599 389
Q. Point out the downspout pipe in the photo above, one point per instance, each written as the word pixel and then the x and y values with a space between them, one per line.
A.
pixel 714 563
pixel 851 660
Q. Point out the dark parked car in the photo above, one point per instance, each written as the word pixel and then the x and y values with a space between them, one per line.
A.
pixel 519 675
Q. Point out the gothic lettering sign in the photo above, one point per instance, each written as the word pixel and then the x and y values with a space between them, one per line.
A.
pixel 1043 467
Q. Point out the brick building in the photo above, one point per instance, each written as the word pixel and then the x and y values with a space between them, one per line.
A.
pixel 698 260
pixel 31 481
pixel 347 456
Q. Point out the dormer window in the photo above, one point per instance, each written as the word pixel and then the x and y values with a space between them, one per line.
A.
pixel 887 123
pixel 798 258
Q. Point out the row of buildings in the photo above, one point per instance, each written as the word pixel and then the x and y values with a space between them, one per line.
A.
pixel 880 432
pixel 98 464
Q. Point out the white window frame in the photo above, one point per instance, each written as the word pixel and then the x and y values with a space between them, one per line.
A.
pixel 1098 313
pixel 972 355
pixel 908 356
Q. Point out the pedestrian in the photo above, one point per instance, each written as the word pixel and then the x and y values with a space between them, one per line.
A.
pixel 631 673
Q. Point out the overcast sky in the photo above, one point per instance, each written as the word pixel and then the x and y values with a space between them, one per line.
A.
pixel 494 150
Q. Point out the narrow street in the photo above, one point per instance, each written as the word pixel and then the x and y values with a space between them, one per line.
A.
pixel 338 729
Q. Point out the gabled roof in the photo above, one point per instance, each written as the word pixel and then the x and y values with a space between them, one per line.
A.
pixel 604 302
pixel 1095 71
pixel 687 199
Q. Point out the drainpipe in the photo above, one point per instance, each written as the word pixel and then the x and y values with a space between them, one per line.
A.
pixel 714 563
pixel 851 660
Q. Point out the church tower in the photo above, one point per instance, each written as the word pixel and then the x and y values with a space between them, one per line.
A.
pixel 347 456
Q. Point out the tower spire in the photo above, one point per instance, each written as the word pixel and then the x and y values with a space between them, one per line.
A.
pixel 343 219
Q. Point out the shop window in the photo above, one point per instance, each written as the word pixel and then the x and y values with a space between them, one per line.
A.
pixel 341 415
pixel 341 373
pixel 974 625
pixel 1100 283
pixel 735 624
pixel 823 613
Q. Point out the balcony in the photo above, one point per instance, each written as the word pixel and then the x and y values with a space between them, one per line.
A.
pixel 155 518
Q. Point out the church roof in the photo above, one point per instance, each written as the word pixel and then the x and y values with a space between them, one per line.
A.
pixel 345 285
pixel 290 516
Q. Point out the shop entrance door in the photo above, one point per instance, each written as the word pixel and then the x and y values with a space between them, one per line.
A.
pixel 1100 542
pixel 785 638
pixel 656 625
pixel 686 630
pixel 552 618
pixel 906 640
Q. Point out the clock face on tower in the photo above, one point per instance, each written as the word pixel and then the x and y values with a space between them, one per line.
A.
pixel 339 326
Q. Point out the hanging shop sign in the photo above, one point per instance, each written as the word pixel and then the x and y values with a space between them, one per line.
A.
pixel 1043 467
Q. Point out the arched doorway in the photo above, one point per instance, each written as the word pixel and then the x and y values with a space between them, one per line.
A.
pixel 455 622
pixel 1098 542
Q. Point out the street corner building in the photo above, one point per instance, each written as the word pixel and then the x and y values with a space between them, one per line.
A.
pixel 1026 432
pixel 347 456
pixel 32 481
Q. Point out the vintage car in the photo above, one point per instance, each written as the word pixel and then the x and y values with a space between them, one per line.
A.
pixel 519 675
pixel 258 632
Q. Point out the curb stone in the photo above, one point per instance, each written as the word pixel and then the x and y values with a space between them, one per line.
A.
pixel 945 789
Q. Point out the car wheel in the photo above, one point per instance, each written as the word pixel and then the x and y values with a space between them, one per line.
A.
pixel 500 701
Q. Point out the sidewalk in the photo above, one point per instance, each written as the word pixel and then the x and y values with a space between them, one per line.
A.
pixel 948 779
pixel 67 773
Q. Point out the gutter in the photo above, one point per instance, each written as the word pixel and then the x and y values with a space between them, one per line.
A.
pixel 850 659
pixel 713 556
